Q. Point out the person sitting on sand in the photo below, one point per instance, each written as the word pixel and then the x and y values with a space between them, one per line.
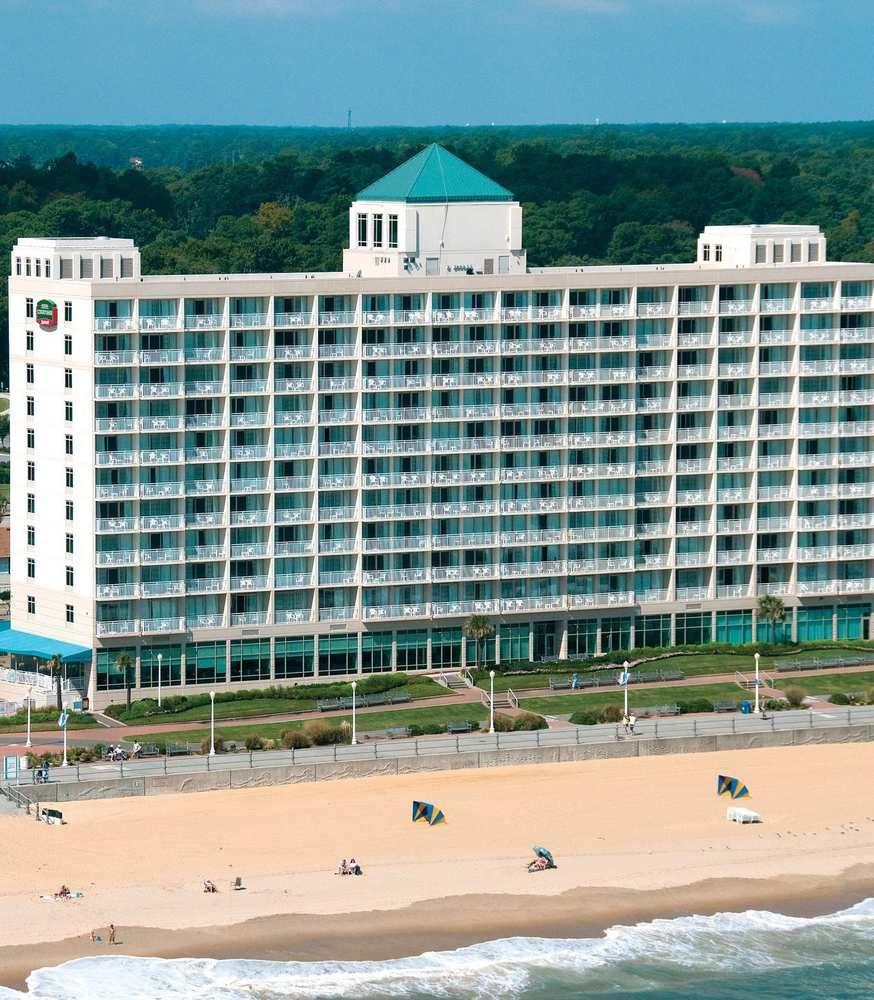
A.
pixel 354 867
pixel 537 865
pixel 209 885
pixel 344 868
pixel 63 892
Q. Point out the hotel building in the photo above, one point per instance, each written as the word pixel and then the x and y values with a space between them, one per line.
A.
pixel 269 478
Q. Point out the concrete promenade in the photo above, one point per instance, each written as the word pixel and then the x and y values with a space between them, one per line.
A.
pixel 245 770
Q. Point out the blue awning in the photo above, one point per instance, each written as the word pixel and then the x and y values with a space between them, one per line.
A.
pixel 41 646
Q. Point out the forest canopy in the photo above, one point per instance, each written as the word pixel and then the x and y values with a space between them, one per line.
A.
pixel 223 199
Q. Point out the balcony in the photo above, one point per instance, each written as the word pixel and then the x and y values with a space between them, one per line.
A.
pixel 250 582
pixel 336 614
pixel 292 615
pixel 206 621
pixel 249 386
pixel 293 384
pixel 115 391
pixel 293 352
pixel 817 305
pixel 162 555
pixel 116 591
pixel 118 557
pixel 207 585
pixel 458 609
pixel 160 390
pixel 204 354
pixel 248 320
pixel 771 306
pixel 214 388
pixel 288 580
pixel 249 517
pixel 116 458
pixel 163 588
pixel 206 552
pixel 162 357
pixel 686 594
pixel 207 321
pixel 287 320
pixel 736 590
pixel 110 359
pixel 113 324
pixel 161 456
pixel 116 491
pixel 256 353
pixel 162 625
pixel 206 487
pixel 128 627
pixel 649 310
pixel 293 515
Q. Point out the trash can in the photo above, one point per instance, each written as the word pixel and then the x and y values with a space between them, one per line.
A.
pixel 746 708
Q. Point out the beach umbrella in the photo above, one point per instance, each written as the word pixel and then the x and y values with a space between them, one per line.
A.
pixel 542 852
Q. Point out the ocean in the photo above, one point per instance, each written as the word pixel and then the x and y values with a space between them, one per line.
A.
pixel 723 957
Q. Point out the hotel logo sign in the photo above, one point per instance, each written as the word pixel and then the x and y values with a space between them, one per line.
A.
pixel 46 314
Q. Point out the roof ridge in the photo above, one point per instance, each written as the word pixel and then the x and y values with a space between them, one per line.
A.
pixel 440 149
pixel 428 150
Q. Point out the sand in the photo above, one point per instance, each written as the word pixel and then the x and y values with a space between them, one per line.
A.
pixel 634 839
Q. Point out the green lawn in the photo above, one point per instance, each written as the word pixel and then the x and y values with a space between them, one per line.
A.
pixel 418 688
pixel 827 683
pixel 567 704
pixel 44 721
pixel 367 721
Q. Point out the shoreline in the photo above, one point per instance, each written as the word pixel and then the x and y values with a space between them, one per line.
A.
pixel 450 923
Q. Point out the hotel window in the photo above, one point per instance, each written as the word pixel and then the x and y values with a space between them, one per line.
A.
pixel 38 267
pixel 761 253
pixel 28 308
pixel 27 267
pixel 393 232
pixel 68 410
pixel 18 266
pixel 31 605
pixel 812 251
pixel 31 569
pixel 68 346
pixel 31 406
pixel 68 543
pixel 795 253
pixel 68 312
pixel 68 378
pixel 28 374
pixel 71 615
pixel 778 253
pixel 31 438
pixel 68 575
pixel 68 444
pixel 31 535
pixel 362 229
pixel 705 251
pixel 377 230
pixel 31 472
pixel 28 340
pixel 717 252
pixel 48 268
pixel 68 476
pixel 31 503
pixel 68 510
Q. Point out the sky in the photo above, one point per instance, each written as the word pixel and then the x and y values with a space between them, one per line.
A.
pixel 434 62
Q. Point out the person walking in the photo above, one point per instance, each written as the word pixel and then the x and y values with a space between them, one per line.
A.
pixel 632 722
pixel 625 723
pixel 112 934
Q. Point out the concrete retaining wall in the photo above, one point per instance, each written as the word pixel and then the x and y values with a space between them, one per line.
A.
pixel 260 777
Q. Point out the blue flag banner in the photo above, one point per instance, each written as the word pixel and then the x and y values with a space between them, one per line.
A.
pixel 62 720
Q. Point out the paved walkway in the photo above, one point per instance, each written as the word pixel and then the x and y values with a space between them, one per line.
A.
pixel 51 739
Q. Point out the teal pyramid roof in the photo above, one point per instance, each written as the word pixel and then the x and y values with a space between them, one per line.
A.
pixel 434 175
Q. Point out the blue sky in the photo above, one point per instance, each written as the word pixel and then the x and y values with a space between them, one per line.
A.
pixel 434 61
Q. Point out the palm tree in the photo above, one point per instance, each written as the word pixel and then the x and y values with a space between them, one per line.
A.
pixel 478 628
pixel 56 669
pixel 123 662
pixel 772 609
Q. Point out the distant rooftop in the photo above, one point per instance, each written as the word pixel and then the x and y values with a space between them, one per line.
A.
pixel 434 175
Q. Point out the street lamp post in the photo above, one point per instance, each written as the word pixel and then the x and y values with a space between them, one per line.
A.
pixel 491 701
pixel 29 742
pixel 626 678
pixel 65 762
pixel 160 657
pixel 354 730
pixel 756 708
pixel 212 723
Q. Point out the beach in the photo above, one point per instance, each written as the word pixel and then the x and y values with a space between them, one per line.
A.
pixel 635 839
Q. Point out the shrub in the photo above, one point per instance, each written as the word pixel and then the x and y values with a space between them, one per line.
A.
pixel 695 705
pixel 295 739
pixel 204 745
pixel 324 735
pixel 587 717
pixel 795 696
pixel 776 704
pixel 504 723
pixel 839 698
pixel 254 742
pixel 869 697
pixel 610 713
pixel 527 722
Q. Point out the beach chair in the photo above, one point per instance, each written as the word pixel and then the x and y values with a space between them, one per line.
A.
pixel 238 884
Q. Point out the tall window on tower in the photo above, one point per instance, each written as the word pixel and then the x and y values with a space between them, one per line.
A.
pixel 377 230
pixel 393 232
pixel 362 229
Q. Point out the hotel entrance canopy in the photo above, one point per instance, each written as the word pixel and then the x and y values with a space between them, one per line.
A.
pixel 41 646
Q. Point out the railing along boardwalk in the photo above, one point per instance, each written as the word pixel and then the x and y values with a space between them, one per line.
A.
pixel 379 750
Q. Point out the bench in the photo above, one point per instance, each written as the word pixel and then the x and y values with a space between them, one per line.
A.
pixel 725 706
pixel 654 710
pixel 398 697
pixel 178 749
pixel 398 733
pixel 346 704
pixel 149 750
pixel 328 704
pixel 672 675
pixel 560 683
pixel 374 699
pixel 460 728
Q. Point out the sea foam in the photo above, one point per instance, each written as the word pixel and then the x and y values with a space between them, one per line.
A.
pixel 636 958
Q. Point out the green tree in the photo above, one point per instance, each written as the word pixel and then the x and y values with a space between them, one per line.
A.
pixel 477 629
pixel 771 609
pixel 124 662
pixel 56 670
